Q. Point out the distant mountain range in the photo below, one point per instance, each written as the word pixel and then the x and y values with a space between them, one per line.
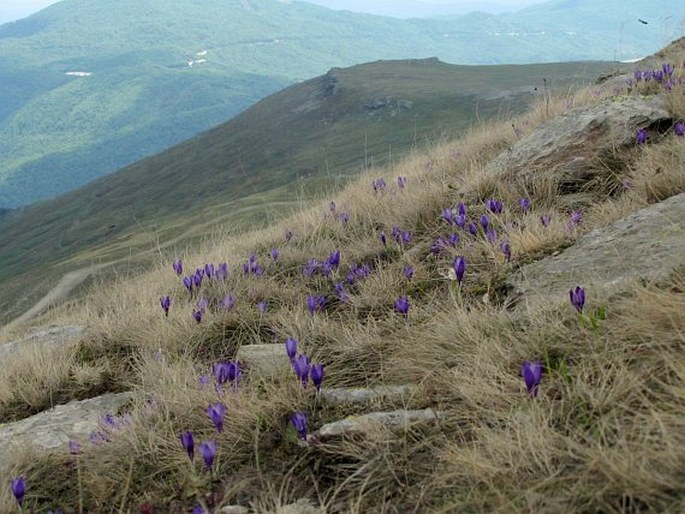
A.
pixel 89 86
pixel 304 141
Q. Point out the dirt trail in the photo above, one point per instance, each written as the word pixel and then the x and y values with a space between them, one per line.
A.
pixel 66 285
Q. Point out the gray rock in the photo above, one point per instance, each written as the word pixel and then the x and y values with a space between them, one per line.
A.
pixel 567 146
pixel 264 359
pixel 53 336
pixel 367 422
pixel 303 506
pixel 234 509
pixel 648 244
pixel 338 396
pixel 53 429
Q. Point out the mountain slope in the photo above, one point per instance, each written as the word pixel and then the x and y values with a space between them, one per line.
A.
pixel 304 140
pixel 92 86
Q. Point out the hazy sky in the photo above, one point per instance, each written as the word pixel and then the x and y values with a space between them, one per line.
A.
pixel 14 9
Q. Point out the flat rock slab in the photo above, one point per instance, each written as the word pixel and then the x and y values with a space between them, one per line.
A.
pixel 54 428
pixel 264 359
pixel 567 146
pixel 368 422
pixel 648 244
pixel 53 336
pixel 340 396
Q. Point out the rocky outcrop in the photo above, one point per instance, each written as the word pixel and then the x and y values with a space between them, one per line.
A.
pixel 647 245
pixel 50 337
pixel 368 422
pixel 341 396
pixel 566 148
pixel 266 360
pixel 54 428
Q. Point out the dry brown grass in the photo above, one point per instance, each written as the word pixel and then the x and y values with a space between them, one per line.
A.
pixel 606 433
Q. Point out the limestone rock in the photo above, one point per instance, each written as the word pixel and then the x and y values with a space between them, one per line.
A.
pixel 338 396
pixel 366 422
pixel 53 429
pixel 53 336
pixel 565 147
pixel 264 359
pixel 302 506
pixel 234 509
pixel 648 244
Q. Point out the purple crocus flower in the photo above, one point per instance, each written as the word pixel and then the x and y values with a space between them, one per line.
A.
pixel 484 222
pixel 448 215
pixel 344 217
pixel 299 421
pixel 577 298
pixel 199 509
pixel 401 182
pixel 459 266
pixel 641 136
pixel 216 412
pixel 209 270
pixel 524 204
pixel 222 271
pixel 491 235
pixel 638 75
pixel 667 68
pixel 680 129
pixel 208 451
pixel 165 302
pixel 576 217
pixel 18 487
pixel 301 367
pixel 311 268
pixel 291 348
pixel 262 306
pixel 461 209
pixel 340 291
pixel 275 254
pixel 494 206
pixel 227 372
pixel 197 279
pixel 178 267
pixel 188 444
pixel 197 315
pixel 506 250
pixel 227 303
pixel 409 271
pixel 288 236
pixel 315 302
pixel 74 447
pixel 203 304
pixel 472 228
pixel 334 259
pixel 658 75
pixel 378 185
pixel 532 376
pixel 383 238
pixel 203 380
pixel 188 283
pixel 316 374
pixel 545 219
pixel 402 306
pixel 459 220
pixel 405 237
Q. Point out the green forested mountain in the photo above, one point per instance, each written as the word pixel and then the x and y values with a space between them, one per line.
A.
pixel 88 86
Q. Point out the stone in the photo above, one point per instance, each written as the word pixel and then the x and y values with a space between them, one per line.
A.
pixel 264 359
pixel 340 396
pixel 234 509
pixel 648 244
pixel 53 336
pixel 54 428
pixel 367 422
pixel 302 506
pixel 566 147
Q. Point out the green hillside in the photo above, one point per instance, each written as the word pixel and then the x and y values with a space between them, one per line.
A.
pixel 308 139
pixel 91 86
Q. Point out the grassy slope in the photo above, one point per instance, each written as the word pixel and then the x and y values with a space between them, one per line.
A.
pixel 58 132
pixel 297 143
pixel 605 433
